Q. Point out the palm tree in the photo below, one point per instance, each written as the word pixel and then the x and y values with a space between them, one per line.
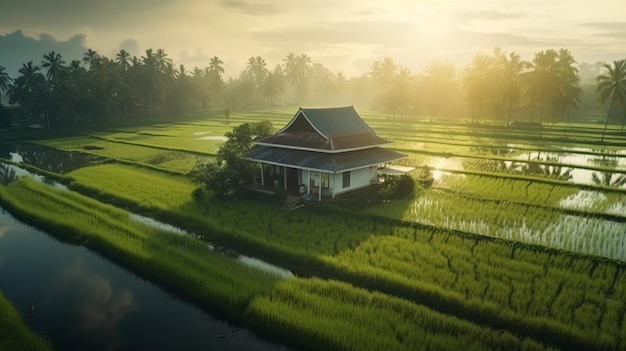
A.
pixel 152 82
pixel 5 80
pixel 273 85
pixel 568 94
pixel 340 83
pixel 478 83
pixel 298 70
pixel 509 81
pixel 440 78
pixel 215 66
pixel 541 81
pixel 256 72
pixel 123 58
pixel 162 60
pixel 606 179
pixel 54 63
pixel 30 91
pixel 89 57
pixel 383 73
pixel 256 68
pixel 399 96
pixel 612 85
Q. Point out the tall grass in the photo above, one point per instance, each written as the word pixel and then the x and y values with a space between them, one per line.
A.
pixel 323 315
pixel 183 263
pixel 14 334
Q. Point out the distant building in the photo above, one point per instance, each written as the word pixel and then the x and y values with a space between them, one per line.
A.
pixel 324 152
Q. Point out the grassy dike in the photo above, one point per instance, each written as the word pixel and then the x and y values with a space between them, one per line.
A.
pixel 14 334
pixel 307 313
pixel 182 263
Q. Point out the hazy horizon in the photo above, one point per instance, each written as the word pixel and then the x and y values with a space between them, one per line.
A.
pixel 343 36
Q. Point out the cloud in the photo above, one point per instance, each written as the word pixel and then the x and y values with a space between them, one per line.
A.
pixel 17 48
pixel 92 298
pixel 252 8
pixel 384 33
pixel 489 15
pixel 130 45
pixel 615 30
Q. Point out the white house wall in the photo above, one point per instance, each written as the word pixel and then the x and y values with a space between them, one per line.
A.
pixel 359 178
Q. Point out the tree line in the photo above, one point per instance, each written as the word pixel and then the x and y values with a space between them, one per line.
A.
pixel 101 90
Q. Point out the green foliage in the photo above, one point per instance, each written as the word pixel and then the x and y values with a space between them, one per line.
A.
pixel 223 181
pixel 397 187
pixel 231 171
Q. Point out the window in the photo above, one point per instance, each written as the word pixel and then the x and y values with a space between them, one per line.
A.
pixel 346 179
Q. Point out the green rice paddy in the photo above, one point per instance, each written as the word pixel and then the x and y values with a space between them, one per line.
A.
pixel 454 256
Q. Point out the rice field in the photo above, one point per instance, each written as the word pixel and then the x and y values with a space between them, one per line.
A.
pixel 515 232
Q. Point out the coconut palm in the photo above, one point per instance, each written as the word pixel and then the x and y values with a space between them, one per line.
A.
pixel 90 56
pixel 542 81
pixel 54 64
pixel 5 80
pixel 383 73
pixel 568 94
pixel 123 58
pixel 439 78
pixel 298 69
pixel 257 69
pixel 273 85
pixel 399 96
pixel 478 83
pixel 508 81
pixel 611 85
pixel 151 81
pixel 606 179
pixel 340 83
pixel 215 66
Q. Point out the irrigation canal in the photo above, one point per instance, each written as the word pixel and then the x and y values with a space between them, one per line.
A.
pixel 80 301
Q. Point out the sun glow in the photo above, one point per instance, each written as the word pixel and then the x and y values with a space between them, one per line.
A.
pixel 432 26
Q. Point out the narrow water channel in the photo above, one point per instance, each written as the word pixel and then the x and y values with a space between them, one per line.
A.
pixel 80 301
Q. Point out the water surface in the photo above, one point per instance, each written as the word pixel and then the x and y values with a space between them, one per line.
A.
pixel 80 301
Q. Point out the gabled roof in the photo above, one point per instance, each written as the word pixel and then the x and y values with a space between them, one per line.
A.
pixel 331 130
pixel 325 162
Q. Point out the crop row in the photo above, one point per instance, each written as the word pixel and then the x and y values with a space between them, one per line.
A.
pixel 167 159
pixel 559 297
pixel 567 197
pixel 334 315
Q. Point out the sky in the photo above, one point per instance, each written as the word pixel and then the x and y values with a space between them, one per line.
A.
pixel 346 36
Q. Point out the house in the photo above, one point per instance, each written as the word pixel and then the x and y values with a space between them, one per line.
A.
pixel 323 152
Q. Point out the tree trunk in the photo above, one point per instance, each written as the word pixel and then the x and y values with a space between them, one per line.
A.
pixel 608 115
pixel 508 118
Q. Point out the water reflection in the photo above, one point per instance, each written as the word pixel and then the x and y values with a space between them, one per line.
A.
pixel 80 301
pixel 95 305
pixel 43 157
pixel 7 174
pixel 498 150
pixel 606 179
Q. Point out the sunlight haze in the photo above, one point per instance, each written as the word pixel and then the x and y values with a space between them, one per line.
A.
pixel 344 36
